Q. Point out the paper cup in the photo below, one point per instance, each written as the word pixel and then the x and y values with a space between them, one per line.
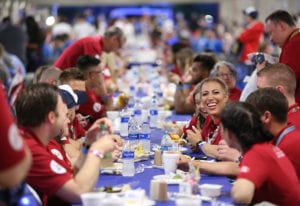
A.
pixel 169 161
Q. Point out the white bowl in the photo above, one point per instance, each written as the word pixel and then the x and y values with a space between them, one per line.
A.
pixel 210 190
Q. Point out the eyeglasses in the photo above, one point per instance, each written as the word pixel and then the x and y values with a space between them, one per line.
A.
pixel 225 75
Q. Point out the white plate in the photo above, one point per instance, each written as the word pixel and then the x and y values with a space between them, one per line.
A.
pixel 168 179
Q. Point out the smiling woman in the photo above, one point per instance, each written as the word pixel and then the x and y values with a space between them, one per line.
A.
pixel 214 96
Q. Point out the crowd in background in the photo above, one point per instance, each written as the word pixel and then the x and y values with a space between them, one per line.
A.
pixel 60 81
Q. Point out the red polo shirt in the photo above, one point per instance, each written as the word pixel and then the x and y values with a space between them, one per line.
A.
pixel 93 106
pixel 12 146
pixel 272 173
pixel 85 46
pixel 290 144
pixel 294 115
pixel 48 173
pixel 290 56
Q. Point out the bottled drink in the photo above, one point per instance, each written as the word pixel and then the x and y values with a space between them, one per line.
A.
pixel 102 131
pixel 133 130
pixel 128 159
pixel 138 112
pixel 159 95
pixel 131 97
pixel 153 112
pixel 124 118
pixel 166 142
pixel 145 136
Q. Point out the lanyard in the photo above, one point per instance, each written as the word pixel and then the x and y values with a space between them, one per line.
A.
pixel 285 131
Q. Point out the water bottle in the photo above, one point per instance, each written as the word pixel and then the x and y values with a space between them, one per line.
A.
pixel 128 159
pixel 124 118
pixel 138 112
pixel 160 95
pixel 153 113
pixel 132 93
pixel 166 142
pixel 133 130
pixel 145 136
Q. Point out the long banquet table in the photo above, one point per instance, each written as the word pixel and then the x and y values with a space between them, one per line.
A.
pixel 142 179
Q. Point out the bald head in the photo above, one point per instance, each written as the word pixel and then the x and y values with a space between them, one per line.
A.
pixel 49 74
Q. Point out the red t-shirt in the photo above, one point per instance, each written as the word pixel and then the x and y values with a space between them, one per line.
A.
pixel 272 173
pixel 85 46
pixel 290 144
pixel 250 38
pixel 294 115
pixel 93 106
pixel 12 146
pixel 211 132
pixel 290 56
pixel 48 173
pixel 235 94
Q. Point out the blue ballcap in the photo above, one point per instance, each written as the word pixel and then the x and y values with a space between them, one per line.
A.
pixel 72 98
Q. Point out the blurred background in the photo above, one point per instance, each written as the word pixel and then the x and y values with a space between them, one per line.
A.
pixel 226 11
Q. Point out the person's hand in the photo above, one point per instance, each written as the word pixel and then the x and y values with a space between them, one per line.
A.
pixel 226 153
pixel 120 141
pixel 183 163
pixel 106 144
pixel 194 135
pixel 261 66
pixel 116 155
pixel 174 78
pixel 91 134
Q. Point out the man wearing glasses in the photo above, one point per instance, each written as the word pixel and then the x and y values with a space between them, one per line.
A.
pixel 112 41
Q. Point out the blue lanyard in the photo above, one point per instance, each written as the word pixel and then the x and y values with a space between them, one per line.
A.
pixel 285 131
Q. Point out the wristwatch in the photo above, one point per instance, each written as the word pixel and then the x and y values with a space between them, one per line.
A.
pixel 239 159
pixel 201 144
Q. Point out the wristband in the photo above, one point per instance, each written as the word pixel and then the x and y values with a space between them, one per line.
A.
pixel 179 86
pixel 199 142
pixel 186 86
pixel 85 148
pixel 96 153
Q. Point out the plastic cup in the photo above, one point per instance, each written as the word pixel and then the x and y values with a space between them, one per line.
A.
pixel 169 161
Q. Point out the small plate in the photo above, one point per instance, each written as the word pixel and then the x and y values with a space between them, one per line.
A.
pixel 168 179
